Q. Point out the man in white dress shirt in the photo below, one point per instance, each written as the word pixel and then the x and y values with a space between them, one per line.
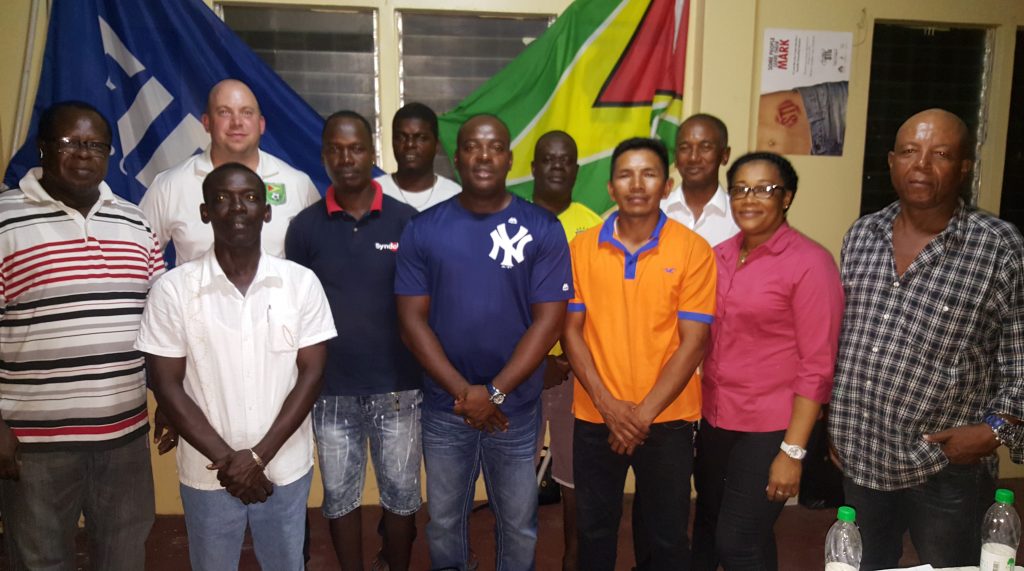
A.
pixel 235 125
pixel 235 348
pixel 699 202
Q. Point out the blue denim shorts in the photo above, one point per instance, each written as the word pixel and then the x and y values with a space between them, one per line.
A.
pixel 825 105
pixel 391 424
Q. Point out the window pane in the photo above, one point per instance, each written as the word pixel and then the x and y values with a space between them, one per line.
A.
pixel 445 57
pixel 326 56
pixel 914 68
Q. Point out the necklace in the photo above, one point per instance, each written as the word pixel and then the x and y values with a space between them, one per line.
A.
pixel 405 197
pixel 743 256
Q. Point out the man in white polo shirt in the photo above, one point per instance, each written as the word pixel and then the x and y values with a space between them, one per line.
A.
pixel 234 345
pixel 235 124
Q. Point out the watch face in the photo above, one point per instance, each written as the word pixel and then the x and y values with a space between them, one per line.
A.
pixel 498 398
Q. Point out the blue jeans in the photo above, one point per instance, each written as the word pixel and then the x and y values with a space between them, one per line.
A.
pixel 943 516
pixel 825 105
pixel 113 488
pixel 661 506
pixel 215 521
pixel 391 423
pixel 454 454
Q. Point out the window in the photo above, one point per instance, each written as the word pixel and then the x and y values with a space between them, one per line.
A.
pixel 1012 207
pixel 445 57
pixel 914 68
pixel 327 56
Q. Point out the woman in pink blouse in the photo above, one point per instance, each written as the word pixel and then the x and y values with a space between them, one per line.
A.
pixel 767 371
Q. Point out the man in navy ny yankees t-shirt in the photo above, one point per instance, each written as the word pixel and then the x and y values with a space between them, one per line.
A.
pixel 482 283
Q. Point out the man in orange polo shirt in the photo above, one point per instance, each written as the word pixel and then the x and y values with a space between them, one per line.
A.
pixel 635 333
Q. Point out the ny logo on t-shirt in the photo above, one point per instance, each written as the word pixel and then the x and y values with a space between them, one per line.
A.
pixel 512 247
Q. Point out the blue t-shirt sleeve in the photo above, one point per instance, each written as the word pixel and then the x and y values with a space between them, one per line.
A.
pixel 551 276
pixel 411 265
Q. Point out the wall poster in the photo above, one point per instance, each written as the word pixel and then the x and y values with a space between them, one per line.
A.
pixel 805 77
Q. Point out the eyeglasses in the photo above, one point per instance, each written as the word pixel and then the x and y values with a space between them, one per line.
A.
pixel 764 191
pixel 67 146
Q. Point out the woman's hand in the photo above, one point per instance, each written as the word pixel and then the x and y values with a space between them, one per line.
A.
pixel 783 478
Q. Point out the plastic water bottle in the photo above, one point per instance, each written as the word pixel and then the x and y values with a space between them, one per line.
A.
pixel 843 548
pixel 1000 534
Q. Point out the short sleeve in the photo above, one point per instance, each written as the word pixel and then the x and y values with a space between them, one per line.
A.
pixel 154 208
pixel 308 193
pixel 697 294
pixel 156 259
pixel 296 242
pixel 162 330
pixel 411 272
pixel 551 273
pixel 317 321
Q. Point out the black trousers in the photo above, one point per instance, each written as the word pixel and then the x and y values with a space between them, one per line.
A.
pixel 734 521
pixel 661 509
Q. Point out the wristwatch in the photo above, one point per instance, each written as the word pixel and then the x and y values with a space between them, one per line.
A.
pixel 793 451
pixel 497 397
pixel 1003 430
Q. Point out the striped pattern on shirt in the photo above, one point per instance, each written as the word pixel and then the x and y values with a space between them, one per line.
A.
pixel 72 290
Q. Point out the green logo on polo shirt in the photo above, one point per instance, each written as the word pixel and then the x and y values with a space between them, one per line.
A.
pixel 276 195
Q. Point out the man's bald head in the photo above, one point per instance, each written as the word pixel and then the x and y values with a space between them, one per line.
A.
pixel 553 136
pixel 930 161
pixel 234 122
pixel 940 118
pixel 482 119
pixel 227 88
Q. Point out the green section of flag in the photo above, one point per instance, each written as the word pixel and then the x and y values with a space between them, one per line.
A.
pixel 519 91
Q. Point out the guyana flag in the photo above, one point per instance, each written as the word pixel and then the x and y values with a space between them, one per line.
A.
pixel 605 71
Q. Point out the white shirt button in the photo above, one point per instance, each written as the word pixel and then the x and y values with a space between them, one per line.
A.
pixel 885 316
pixel 895 284
pixel 874 349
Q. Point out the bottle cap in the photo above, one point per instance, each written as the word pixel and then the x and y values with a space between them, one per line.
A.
pixel 846 513
pixel 1004 496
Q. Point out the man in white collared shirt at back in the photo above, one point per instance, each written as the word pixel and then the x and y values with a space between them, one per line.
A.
pixel 699 202
pixel 235 125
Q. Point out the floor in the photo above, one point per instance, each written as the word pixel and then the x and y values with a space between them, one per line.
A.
pixel 800 532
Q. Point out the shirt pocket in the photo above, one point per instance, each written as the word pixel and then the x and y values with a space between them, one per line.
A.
pixel 283 328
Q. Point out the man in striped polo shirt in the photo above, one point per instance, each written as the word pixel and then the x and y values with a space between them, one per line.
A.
pixel 76 263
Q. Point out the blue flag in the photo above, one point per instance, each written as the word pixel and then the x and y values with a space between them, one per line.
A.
pixel 148 67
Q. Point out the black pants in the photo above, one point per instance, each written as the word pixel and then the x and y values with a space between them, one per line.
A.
pixel 661 509
pixel 734 520
pixel 943 516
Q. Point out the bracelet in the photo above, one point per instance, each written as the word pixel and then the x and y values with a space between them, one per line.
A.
pixel 256 458
pixel 994 423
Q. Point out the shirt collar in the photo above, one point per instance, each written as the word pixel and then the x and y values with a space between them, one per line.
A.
pixel 954 230
pixel 607 233
pixel 719 201
pixel 773 246
pixel 213 276
pixel 35 192
pixel 333 207
pixel 267 166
